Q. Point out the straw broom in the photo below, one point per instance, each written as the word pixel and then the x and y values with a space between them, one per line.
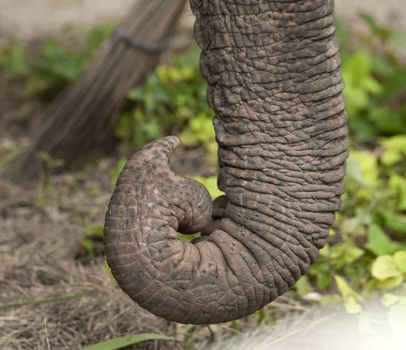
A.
pixel 81 121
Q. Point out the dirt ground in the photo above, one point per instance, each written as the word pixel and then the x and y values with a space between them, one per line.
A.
pixel 52 295
pixel 70 302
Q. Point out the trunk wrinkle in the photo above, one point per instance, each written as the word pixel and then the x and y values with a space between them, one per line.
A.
pixel 274 83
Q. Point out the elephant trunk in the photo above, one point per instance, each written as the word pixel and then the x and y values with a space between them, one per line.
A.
pixel 274 82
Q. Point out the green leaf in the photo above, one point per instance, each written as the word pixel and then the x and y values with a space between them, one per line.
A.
pixel 363 168
pixel 52 299
pixel 107 270
pixel 361 127
pixel 387 120
pixel 96 36
pixel 357 73
pixel 357 68
pixel 352 253
pixel 380 31
pixel 322 272
pixel 88 245
pixel 303 285
pixel 342 37
pixel 186 237
pixel 390 283
pixel 379 243
pixel 354 171
pixel 395 84
pixel 117 171
pixel 52 163
pixel 393 221
pixel 382 67
pixel 96 230
pixel 399 39
pixel 343 286
pixel 352 306
pixel 350 297
pixel 122 342
pixel 384 267
pixel 323 280
pixel 211 184
pixel 136 95
pixel 200 129
pixel 394 150
pixel 398 184
pixel 400 261
pixel 13 61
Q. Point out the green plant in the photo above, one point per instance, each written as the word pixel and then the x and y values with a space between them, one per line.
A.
pixel 172 100
pixel 53 66
pixel 51 164
pixel 52 299
pixel 56 66
pixel 390 270
pixel 92 243
pixel 367 246
pixel 123 342
pixel 116 172
pixel 366 249
pixel 13 60
pixel 375 82
pixel 372 222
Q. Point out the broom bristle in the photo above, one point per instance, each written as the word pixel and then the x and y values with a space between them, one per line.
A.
pixel 82 119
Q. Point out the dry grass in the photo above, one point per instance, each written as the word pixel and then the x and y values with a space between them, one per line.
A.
pixel 68 303
pixel 51 300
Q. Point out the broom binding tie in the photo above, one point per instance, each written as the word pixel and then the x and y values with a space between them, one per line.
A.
pixel 120 36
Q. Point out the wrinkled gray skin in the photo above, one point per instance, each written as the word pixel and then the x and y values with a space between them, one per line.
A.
pixel 274 82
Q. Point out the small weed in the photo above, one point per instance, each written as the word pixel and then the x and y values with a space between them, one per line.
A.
pixel 172 100
pixel 123 342
pixel 92 243
pixel 51 164
pixel 51 68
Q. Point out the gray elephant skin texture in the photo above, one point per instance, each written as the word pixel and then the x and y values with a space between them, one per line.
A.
pixel 274 83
